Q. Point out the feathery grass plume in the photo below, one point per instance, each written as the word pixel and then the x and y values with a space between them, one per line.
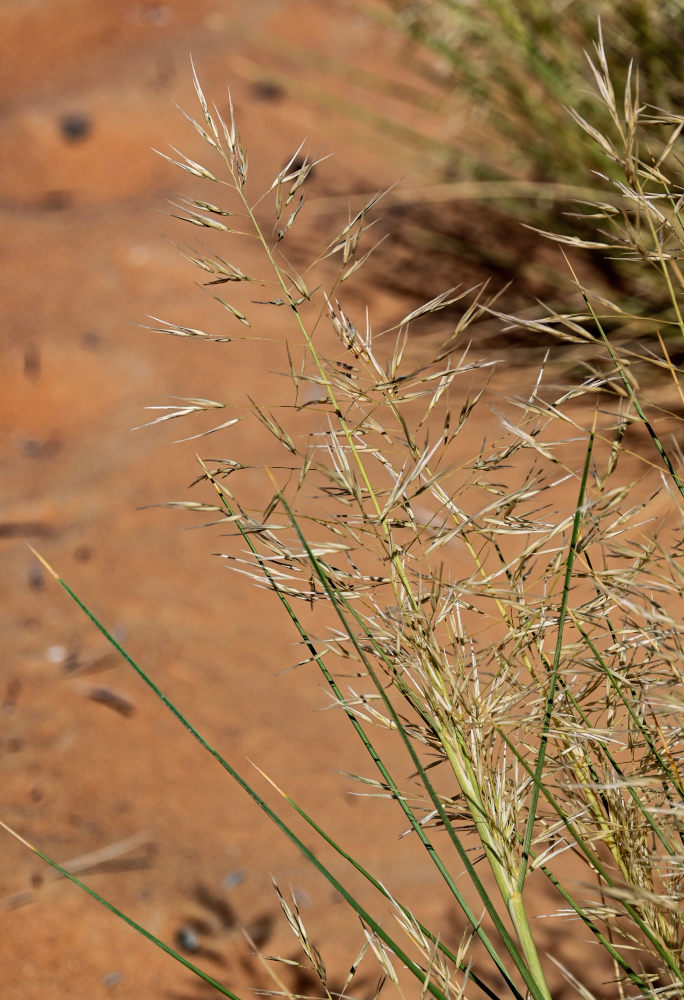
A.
pixel 507 604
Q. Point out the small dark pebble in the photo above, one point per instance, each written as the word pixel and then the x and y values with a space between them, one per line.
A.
pixel 106 696
pixel 267 90
pixel 40 447
pixel 91 340
pixel 233 879
pixel 31 361
pixel 187 939
pixel 12 692
pixel 56 201
pixel 83 553
pixel 112 979
pixel 75 126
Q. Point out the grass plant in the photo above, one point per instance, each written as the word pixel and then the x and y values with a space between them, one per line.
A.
pixel 518 65
pixel 507 603
pixel 510 71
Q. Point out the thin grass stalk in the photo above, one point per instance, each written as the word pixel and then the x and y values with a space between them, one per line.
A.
pixel 553 677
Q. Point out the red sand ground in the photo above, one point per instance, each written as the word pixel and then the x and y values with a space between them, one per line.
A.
pixel 83 260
